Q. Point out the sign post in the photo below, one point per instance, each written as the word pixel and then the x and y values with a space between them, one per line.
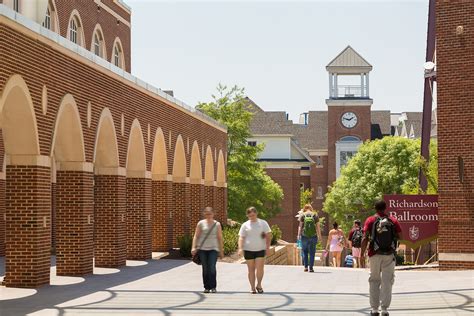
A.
pixel 418 217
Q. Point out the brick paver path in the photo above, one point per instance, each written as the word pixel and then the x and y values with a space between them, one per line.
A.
pixel 168 287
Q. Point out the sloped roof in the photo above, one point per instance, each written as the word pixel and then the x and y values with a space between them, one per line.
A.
pixel 349 58
pixel 383 119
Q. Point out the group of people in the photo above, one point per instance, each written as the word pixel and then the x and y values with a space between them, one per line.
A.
pixel 378 237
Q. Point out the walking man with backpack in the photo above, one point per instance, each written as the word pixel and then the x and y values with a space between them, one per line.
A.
pixel 381 233
pixel 355 239
pixel 309 231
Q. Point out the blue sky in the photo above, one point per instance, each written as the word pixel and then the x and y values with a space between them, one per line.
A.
pixel 278 50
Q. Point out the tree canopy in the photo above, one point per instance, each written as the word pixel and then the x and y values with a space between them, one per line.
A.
pixel 247 182
pixel 386 166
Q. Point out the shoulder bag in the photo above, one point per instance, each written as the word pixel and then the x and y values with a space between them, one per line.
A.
pixel 196 259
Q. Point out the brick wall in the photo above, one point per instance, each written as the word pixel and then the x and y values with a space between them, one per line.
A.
pixel 110 248
pixel 162 231
pixel 28 226
pixel 289 180
pixel 2 218
pixel 139 218
pixel 197 205
pixel 319 178
pixel 455 97
pixel 74 222
pixel 181 211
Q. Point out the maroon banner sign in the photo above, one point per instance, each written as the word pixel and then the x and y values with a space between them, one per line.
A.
pixel 418 216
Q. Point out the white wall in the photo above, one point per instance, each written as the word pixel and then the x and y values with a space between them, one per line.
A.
pixel 276 147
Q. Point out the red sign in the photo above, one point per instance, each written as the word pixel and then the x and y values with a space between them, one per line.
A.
pixel 418 216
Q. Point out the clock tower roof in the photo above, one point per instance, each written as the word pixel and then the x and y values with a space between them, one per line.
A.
pixel 349 62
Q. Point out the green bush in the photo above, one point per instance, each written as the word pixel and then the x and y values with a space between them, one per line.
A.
pixel 185 243
pixel 276 234
pixel 230 235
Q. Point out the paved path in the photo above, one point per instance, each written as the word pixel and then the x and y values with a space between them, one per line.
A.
pixel 172 287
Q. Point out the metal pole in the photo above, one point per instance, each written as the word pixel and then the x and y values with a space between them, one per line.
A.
pixel 428 98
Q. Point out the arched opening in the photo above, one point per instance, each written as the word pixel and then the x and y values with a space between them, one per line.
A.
pixel 179 161
pixel 221 178
pixel 98 42
pixel 106 149
pixel 195 170
pixel 159 165
pixel 75 32
pixel 209 167
pixel 136 157
pixel 28 176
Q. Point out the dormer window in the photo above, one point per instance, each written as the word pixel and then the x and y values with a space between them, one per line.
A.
pixel 47 19
pixel 51 19
pixel 75 32
pixel 16 5
pixel 98 43
pixel 117 54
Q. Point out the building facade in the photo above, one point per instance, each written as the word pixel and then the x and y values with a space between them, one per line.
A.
pixel 320 144
pixel 97 164
pixel 455 115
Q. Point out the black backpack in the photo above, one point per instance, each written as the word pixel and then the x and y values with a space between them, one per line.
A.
pixel 383 236
pixel 357 238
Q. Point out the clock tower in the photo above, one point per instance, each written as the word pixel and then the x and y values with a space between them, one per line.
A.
pixel 349 108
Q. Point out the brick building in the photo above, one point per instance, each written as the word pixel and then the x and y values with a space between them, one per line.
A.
pixel 96 163
pixel 455 86
pixel 310 153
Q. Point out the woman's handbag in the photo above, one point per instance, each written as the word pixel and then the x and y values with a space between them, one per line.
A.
pixel 196 259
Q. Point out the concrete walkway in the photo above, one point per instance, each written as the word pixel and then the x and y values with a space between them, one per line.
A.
pixel 173 287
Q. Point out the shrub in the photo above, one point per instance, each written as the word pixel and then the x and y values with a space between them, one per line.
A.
pixel 230 234
pixel 185 243
pixel 276 234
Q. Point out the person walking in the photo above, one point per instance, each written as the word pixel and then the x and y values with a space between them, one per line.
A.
pixel 208 244
pixel 355 242
pixel 336 244
pixel 381 233
pixel 254 242
pixel 309 231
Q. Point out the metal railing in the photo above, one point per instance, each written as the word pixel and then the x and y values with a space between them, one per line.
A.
pixel 349 91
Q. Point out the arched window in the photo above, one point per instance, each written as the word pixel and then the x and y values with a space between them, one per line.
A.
pixel 51 19
pixel 75 32
pixel 117 55
pixel 350 139
pixel 98 43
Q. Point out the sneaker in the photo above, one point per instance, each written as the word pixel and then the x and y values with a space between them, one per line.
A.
pixel 311 270
pixel 384 313
pixel 213 291
pixel 206 291
pixel 305 269
pixel 374 313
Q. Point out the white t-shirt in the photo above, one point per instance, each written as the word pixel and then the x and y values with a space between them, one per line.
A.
pixel 252 234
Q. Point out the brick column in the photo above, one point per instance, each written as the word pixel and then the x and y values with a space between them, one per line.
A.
pixel 53 217
pixel 110 249
pixel 208 195
pixel 138 218
pixel 181 210
pixel 221 204
pixel 162 232
pixel 2 215
pixel 74 219
pixel 28 221
pixel 196 204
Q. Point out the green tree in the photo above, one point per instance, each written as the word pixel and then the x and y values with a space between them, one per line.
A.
pixel 306 197
pixel 386 166
pixel 429 169
pixel 247 182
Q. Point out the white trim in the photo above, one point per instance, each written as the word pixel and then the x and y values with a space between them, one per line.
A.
pixel 75 166
pixel 349 102
pixel 305 173
pixel 139 174
pixel 284 165
pixel 162 177
pixel 456 256
pixel 344 146
pixel 113 171
pixel 271 135
pixel 321 152
pixel 29 160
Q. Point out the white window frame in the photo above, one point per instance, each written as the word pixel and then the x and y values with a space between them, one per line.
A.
pixel 47 23
pixel 16 6
pixel 342 146
pixel 73 31
pixel 97 44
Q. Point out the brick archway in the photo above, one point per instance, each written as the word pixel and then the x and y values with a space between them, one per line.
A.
pixel 180 214
pixel 27 183
pixel 196 185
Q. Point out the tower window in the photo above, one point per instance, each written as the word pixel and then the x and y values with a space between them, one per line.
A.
pixel 16 5
pixel 47 20
pixel 73 31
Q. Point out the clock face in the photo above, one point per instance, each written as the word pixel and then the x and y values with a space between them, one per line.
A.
pixel 349 119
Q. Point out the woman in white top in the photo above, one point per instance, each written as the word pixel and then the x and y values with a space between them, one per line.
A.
pixel 254 242
pixel 208 248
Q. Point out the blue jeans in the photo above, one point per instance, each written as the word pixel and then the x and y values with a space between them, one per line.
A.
pixel 209 273
pixel 308 245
